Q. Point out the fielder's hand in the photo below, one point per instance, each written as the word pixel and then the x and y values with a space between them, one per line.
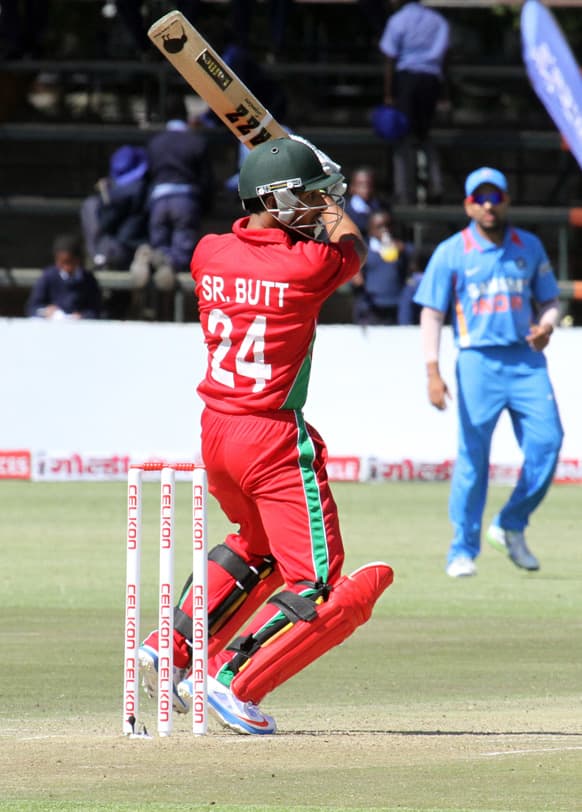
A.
pixel 438 391
pixel 539 336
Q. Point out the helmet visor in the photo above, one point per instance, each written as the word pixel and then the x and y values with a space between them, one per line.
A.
pixel 319 182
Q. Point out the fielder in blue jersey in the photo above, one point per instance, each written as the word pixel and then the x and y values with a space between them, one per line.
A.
pixel 499 286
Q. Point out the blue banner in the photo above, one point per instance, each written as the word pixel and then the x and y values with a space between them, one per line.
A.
pixel 553 72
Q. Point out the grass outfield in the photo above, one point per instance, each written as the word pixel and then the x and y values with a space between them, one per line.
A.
pixel 459 694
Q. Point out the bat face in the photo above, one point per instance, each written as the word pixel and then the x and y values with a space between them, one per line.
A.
pixel 207 74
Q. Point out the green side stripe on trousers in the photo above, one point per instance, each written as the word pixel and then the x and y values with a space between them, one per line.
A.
pixel 315 510
pixel 316 523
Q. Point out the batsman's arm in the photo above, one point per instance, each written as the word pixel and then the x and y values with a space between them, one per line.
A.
pixel 346 229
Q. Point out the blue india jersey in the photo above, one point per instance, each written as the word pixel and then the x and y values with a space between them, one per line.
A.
pixel 489 289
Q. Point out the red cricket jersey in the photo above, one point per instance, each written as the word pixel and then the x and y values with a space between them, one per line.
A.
pixel 259 296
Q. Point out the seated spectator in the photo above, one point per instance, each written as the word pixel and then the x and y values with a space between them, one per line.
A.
pixel 66 290
pixel 181 188
pixel 377 288
pixel 362 199
pixel 408 310
pixel 114 221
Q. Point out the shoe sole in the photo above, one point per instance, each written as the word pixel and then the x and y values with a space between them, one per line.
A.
pixel 522 566
pixel 149 674
pixel 235 723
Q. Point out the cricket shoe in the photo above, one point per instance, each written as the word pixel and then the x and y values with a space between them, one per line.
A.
pixel 461 567
pixel 242 717
pixel 148 668
pixel 512 542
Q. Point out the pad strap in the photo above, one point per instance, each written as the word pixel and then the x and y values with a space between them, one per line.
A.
pixel 292 607
pixel 295 607
pixel 245 579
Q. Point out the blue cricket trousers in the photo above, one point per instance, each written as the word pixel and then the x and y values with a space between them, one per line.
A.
pixel 490 380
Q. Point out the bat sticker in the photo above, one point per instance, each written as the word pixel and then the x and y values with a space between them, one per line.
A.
pixel 214 70
pixel 173 45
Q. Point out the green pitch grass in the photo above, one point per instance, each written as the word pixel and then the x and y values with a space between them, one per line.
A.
pixel 459 694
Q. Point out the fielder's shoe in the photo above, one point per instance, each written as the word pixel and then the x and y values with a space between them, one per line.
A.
pixel 148 668
pixel 512 542
pixel 461 567
pixel 242 717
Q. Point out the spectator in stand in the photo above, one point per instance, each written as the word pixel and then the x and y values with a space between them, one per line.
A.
pixel 66 290
pixel 378 286
pixel 114 220
pixel 415 43
pixel 181 186
pixel 362 199
pixel 408 310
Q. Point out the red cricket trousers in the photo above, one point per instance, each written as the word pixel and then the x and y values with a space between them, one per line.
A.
pixel 268 473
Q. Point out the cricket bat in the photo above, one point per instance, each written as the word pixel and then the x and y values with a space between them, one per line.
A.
pixel 212 80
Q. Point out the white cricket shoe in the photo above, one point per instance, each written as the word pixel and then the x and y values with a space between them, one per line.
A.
pixel 512 543
pixel 148 668
pixel 461 567
pixel 185 691
pixel 242 717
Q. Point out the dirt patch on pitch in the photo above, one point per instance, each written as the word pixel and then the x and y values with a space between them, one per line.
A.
pixel 417 767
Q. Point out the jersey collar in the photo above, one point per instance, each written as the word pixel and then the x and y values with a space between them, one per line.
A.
pixel 473 239
pixel 259 235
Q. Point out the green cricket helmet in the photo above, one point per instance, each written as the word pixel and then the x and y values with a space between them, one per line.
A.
pixel 279 164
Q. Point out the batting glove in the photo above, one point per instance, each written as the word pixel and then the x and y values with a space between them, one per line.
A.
pixel 329 167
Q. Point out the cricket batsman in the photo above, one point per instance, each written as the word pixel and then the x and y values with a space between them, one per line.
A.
pixel 260 289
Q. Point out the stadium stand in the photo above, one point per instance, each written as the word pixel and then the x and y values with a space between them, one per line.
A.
pixel 62 117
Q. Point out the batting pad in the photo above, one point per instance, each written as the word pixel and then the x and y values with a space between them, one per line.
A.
pixel 349 605
pixel 246 608
pixel 242 589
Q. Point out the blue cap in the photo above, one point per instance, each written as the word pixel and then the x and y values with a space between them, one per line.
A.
pixel 389 123
pixel 128 163
pixel 485 175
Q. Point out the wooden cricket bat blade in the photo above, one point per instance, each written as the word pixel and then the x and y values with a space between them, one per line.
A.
pixel 213 80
